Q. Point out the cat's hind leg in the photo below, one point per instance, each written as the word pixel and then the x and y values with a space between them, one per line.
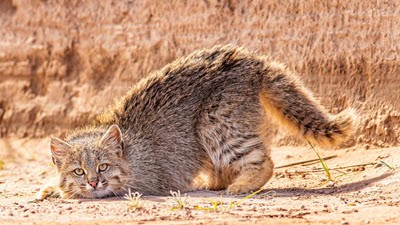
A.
pixel 240 161
pixel 230 128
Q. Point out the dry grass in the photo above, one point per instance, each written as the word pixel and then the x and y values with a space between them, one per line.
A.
pixel 180 201
pixel 134 200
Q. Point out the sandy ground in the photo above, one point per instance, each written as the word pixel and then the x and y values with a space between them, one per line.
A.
pixel 364 194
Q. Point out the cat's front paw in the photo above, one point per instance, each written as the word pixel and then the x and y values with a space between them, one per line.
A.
pixel 47 191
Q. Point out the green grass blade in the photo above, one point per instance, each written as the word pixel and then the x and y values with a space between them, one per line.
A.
pixel 322 161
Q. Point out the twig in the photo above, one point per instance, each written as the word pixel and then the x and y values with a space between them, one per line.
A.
pixel 387 165
pixel 306 161
pixel 356 165
pixel 336 168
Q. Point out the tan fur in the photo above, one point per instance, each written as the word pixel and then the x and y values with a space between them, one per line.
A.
pixel 49 190
pixel 343 120
pixel 200 122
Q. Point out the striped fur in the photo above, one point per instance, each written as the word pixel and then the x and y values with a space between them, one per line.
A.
pixel 201 122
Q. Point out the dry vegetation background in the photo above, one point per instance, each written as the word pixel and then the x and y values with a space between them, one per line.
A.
pixel 61 62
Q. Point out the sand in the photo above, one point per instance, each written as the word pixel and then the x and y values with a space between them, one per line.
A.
pixel 364 194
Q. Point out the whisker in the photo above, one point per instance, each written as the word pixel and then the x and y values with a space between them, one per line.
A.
pixel 115 193
pixel 74 193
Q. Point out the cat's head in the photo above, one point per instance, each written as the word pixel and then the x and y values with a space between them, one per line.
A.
pixel 91 164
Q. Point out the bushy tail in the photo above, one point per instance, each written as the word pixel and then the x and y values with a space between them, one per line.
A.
pixel 287 101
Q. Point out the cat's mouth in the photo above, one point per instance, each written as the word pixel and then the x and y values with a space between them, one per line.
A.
pixel 100 191
pixel 97 193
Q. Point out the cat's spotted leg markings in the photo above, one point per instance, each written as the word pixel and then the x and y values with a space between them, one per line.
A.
pixel 49 190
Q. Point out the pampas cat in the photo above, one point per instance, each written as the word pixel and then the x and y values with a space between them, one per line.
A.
pixel 197 123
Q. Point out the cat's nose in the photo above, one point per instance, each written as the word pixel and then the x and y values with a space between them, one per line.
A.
pixel 93 183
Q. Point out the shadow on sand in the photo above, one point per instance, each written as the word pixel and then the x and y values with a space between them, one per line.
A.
pixel 345 188
pixel 277 192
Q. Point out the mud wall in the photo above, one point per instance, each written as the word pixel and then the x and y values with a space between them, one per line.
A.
pixel 63 61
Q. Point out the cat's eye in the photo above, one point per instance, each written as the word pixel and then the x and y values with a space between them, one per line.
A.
pixel 103 167
pixel 79 172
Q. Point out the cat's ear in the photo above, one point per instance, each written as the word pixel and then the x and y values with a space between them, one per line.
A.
pixel 112 139
pixel 59 150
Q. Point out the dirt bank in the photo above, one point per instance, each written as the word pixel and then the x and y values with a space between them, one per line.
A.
pixel 63 61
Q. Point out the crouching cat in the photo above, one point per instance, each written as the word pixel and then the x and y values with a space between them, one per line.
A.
pixel 200 122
